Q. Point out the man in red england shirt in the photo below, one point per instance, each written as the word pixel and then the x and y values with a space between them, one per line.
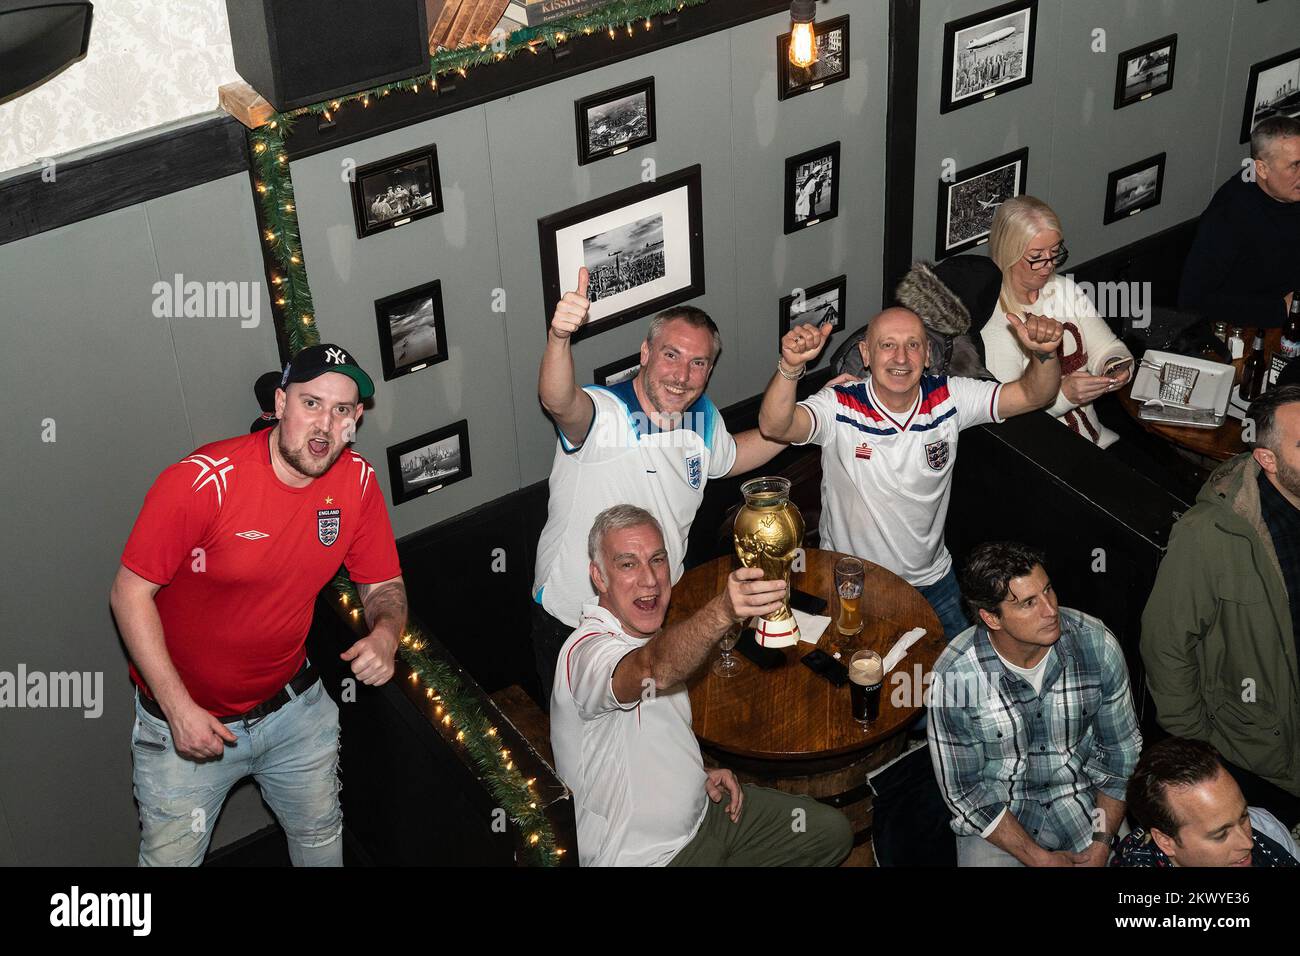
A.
pixel 214 600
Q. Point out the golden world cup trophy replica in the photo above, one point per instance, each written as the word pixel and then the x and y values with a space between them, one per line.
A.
pixel 769 533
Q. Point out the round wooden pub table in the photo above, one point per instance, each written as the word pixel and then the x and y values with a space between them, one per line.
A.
pixel 789 728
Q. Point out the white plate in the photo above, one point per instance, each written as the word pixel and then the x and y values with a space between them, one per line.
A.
pixel 1213 386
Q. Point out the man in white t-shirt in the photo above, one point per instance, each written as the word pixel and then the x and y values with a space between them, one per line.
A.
pixel 621 723
pixel 889 442
pixel 653 441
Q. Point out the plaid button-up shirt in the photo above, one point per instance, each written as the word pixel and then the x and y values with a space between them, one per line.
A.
pixel 996 744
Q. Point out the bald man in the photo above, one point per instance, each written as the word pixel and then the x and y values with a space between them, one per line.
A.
pixel 889 441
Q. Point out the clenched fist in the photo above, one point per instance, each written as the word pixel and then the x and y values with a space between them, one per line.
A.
pixel 804 343
pixel 572 309
pixel 1037 333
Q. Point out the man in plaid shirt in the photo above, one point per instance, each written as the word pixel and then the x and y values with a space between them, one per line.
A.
pixel 1032 730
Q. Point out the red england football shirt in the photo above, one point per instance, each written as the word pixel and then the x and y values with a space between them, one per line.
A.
pixel 241 557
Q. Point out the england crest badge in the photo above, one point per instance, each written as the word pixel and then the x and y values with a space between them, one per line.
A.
pixel 936 454
pixel 694 472
pixel 327 526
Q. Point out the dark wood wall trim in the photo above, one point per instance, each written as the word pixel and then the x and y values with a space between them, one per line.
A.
pixel 121 176
pixel 900 141
pixel 521 72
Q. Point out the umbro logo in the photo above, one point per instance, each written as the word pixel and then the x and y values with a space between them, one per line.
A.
pixel 251 535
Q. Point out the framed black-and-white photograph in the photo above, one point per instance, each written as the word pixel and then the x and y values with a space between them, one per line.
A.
pixel 643 248
pixel 1272 90
pixel 812 187
pixel 831 65
pixel 1145 71
pixel 616 373
pixel 429 462
pixel 814 306
pixel 967 204
pixel 987 54
pixel 395 191
pixel 615 121
pixel 1134 188
pixel 412 331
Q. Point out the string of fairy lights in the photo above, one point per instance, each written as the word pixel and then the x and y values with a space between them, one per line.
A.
pixel 456 712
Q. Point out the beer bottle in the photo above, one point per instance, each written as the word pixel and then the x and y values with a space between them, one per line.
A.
pixel 1291 331
pixel 1254 376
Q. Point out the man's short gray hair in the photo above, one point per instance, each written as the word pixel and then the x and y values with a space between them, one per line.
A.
pixel 613 519
pixel 1269 131
pixel 692 316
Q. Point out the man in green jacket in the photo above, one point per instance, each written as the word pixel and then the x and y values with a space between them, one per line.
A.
pixel 1219 631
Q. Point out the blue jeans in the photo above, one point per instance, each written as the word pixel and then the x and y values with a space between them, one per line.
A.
pixel 945 597
pixel 293 755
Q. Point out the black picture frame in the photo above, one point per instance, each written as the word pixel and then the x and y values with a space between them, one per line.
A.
pixel 1248 117
pixel 419 166
pixel 958 30
pixel 404 490
pixel 793 222
pixel 1144 199
pixel 795 81
pixel 580 229
pixel 973 224
pixel 1125 97
pixel 583 107
pixel 387 311
pixel 612 373
pixel 811 296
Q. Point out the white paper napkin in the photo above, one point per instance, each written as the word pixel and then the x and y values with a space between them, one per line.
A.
pixel 901 647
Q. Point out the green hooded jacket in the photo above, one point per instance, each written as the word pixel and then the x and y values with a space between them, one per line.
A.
pixel 1217 640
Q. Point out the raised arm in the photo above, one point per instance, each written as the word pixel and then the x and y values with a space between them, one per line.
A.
pixel 674 653
pixel 1037 386
pixel 780 419
pixel 753 450
pixel 557 385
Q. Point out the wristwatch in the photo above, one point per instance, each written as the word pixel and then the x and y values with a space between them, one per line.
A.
pixel 1110 839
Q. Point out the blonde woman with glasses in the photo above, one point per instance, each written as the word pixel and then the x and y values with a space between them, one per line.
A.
pixel 1027 245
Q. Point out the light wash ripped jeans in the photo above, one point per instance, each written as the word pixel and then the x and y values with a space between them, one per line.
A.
pixel 292 754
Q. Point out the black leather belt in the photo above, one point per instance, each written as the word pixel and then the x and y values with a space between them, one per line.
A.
pixel 301 681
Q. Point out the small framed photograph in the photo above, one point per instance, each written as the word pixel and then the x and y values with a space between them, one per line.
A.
pixel 412 331
pixel 616 373
pixel 429 462
pixel 1272 90
pixel 831 65
pixel 615 121
pixel 1145 71
pixel 967 204
pixel 812 187
pixel 1134 188
pixel 643 248
pixel 988 54
pixel 814 306
pixel 395 191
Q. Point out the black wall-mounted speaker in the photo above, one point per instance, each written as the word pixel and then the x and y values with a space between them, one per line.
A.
pixel 37 39
pixel 299 52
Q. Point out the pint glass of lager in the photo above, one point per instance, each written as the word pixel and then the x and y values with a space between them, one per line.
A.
pixel 848 585
pixel 866 679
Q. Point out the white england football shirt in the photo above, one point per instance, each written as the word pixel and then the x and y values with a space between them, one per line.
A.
pixel 624 460
pixel 634 769
pixel 886 476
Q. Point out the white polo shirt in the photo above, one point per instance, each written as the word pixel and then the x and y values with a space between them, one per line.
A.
pixel 624 459
pixel 886 477
pixel 634 769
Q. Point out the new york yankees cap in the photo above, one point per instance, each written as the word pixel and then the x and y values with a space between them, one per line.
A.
pixel 316 360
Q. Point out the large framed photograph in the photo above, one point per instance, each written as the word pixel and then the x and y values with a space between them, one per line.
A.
pixel 814 306
pixel 412 330
pixel 831 65
pixel 1134 188
pixel 615 121
pixel 395 191
pixel 988 53
pixel 812 187
pixel 616 373
pixel 1272 90
pixel 643 248
pixel 1145 71
pixel 967 204
pixel 428 462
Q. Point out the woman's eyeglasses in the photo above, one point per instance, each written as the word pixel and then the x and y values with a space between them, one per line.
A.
pixel 1054 261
